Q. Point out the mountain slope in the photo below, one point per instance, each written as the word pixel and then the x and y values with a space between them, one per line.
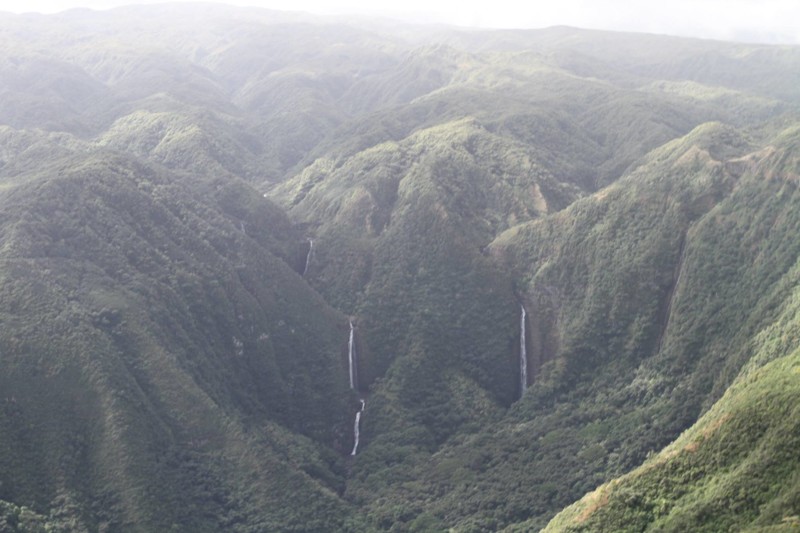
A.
pixel 146 358
pixel 735 468
pixel 615 372
pixel 542 451
pixel 721 297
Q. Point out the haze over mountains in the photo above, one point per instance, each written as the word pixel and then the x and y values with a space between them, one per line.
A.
pixel 200 203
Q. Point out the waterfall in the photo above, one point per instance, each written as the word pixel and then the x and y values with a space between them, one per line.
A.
pixel 353 364
pixel 356 427
pixel 308 256
pixel 351 357
pixel 523 355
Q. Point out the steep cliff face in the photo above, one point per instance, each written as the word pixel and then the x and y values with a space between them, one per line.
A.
pixel 601 280
pixel 741 265
pixel 646 347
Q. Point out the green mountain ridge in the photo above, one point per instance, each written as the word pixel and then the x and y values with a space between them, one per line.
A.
pixel 734 469
pixel 139 330
pixel 198 202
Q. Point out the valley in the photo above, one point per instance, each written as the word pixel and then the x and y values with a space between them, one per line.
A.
pixel 266 271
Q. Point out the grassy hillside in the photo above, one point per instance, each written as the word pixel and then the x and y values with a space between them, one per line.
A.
pixel 735 469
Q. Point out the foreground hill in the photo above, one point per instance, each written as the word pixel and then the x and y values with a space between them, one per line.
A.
pixel 735 469
pixel 207 213
pixel 161 363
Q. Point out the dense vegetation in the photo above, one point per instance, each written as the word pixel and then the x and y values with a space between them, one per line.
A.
pixel 196 201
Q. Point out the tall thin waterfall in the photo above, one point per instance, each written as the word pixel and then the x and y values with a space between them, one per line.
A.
pixel 352 361
pixel 308 256
pixel 523 355
pixel 351 357
pixel 357 427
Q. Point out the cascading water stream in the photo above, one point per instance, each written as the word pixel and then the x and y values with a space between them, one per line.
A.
pixel 308 256
pixel 357 427
pixel 353 364
pixel 351 356
pixel 523 355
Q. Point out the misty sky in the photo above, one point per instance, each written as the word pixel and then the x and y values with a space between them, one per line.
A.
pixel 748 20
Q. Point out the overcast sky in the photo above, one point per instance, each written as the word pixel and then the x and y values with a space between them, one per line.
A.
pixel 749 20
